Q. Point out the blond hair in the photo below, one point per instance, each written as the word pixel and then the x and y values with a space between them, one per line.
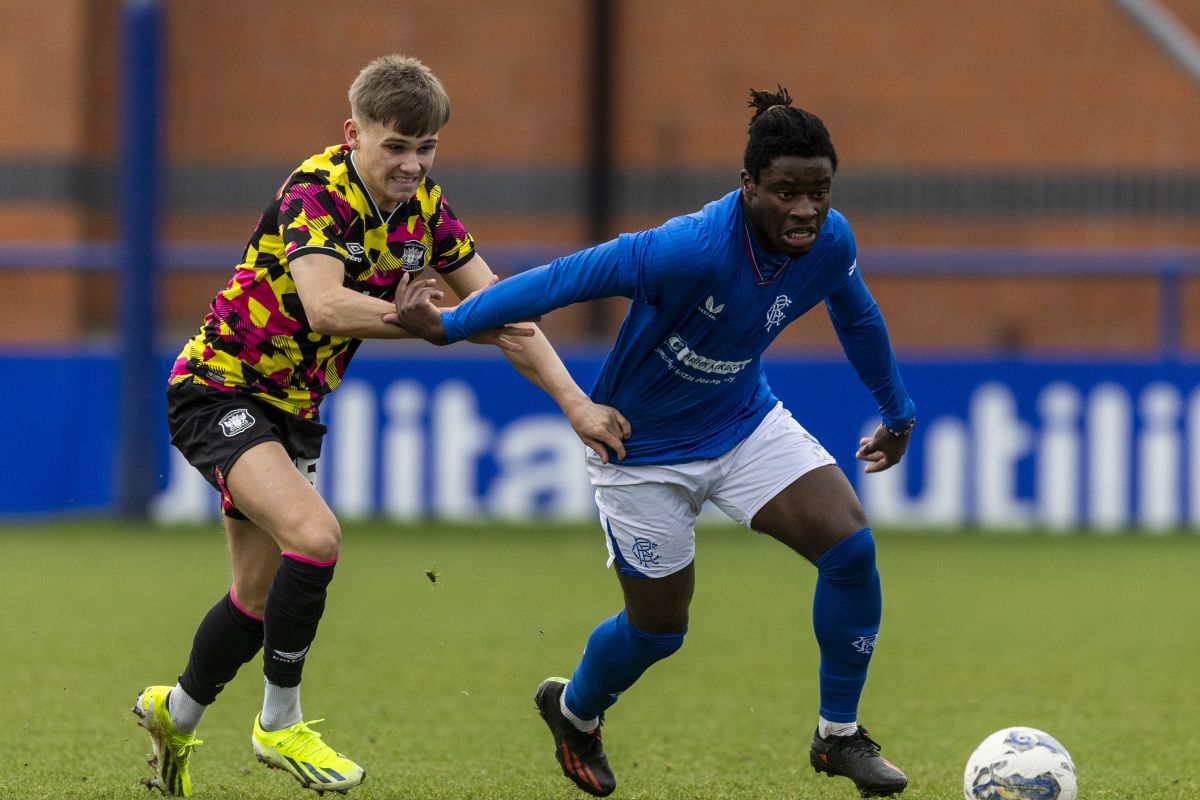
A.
pixel 402 93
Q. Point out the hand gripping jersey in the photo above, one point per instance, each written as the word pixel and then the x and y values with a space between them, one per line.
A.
pixel 707 300
pixel 256 337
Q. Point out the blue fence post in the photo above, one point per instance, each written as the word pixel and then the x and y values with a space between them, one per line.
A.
pixel 138 168
pixel 1170 310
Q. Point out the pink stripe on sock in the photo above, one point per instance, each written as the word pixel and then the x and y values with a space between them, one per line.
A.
pixel 241 607
pixel 313 561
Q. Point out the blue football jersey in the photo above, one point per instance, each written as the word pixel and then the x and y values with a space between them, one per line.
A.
pixel 706 301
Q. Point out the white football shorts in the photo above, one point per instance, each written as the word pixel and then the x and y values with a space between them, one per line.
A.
pixel 649 511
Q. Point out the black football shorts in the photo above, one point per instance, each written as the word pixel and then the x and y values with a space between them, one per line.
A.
pixel 212 429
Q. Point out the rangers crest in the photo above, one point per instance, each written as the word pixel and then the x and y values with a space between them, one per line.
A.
pixel 775 315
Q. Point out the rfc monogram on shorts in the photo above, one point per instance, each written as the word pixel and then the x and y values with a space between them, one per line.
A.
pixel 643 551
pixel 237 421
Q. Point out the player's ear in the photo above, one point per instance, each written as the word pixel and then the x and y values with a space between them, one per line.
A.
pixel 351 130
pixel 749 187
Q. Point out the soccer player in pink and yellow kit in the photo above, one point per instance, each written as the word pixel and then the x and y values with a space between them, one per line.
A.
pixel 317 277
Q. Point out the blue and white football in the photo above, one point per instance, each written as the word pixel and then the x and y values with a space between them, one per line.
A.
pixel 1019 764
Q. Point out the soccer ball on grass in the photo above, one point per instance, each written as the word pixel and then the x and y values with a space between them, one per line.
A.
pixel 1019 764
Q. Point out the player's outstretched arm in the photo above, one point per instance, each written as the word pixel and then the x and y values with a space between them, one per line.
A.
pixel 416 313
pixel 602 428
pixel 334 310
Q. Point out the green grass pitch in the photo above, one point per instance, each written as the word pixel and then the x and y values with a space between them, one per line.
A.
pixel 429 685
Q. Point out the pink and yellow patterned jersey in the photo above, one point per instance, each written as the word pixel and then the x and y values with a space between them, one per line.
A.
pixel 256 337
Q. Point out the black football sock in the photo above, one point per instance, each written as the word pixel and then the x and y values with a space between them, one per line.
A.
pixel 228 637
pixel 294 608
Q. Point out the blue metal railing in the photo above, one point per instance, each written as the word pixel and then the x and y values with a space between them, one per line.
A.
pixel 1170 267
pixel 507 259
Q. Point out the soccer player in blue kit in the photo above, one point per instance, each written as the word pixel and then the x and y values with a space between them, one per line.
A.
pixel 709 292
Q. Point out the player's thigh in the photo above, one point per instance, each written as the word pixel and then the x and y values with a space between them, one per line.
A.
pixel 659 605
pixel 254 558
pixel 648 514
pixel 780 481
pixel 813 513
pixel 267 487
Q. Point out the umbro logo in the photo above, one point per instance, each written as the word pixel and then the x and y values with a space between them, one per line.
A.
pixel 356 251
pixel 711 308
pixel 290 658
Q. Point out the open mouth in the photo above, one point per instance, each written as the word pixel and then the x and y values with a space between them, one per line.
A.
pixel 800 237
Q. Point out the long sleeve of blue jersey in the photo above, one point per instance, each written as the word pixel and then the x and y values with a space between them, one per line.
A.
pixel 586 275
pixel 861 330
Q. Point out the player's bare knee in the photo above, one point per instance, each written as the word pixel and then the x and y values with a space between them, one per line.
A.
pixel 662 644
pixel 325 548
pixel 660 622
pixel 320 541
pixel 657 613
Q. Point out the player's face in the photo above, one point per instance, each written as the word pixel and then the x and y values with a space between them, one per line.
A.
pixel 788 205
pixel 391 164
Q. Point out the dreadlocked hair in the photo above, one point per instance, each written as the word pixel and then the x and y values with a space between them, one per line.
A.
pixel 778 129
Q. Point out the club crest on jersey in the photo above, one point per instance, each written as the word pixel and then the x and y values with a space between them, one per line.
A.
pixel 775 315
pixel 237 421
pixel 711 308
pixel 413 256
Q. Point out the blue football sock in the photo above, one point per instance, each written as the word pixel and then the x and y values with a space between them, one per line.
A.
pixel 846 611
pixel 615 657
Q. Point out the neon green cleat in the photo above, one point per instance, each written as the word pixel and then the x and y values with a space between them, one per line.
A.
pixel 172 749
pixel 299 751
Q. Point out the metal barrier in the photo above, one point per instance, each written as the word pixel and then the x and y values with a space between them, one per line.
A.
pixel 1170 267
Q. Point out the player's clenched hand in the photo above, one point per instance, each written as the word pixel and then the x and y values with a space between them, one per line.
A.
pixel 415 309
pixel 417 314
pixel 882 449
pixel 599 427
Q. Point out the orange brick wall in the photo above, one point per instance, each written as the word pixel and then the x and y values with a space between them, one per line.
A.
pixel 44 92
pixel 926 84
